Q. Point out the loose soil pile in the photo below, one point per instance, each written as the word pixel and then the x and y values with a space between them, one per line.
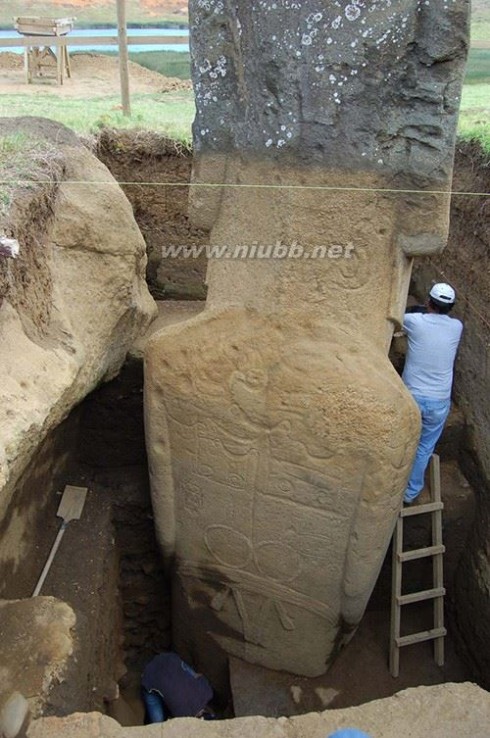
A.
pixel 93 75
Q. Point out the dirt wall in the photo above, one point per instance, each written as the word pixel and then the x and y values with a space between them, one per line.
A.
pixel 84 573
pixel 33 509
pixel 466 264
pixel 112 453
pixel 146 165
pixel 108 567
pixel 163 220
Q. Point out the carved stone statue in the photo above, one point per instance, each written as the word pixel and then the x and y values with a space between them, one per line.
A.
pixel 280 437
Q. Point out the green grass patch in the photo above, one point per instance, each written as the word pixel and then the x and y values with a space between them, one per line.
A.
pixel 11 152
pixel 24 163
pixel 480 20
pixel 479 135
pixel 474 118
pixel 170 113
pixel 480 29
pixel 478 69
pixel 168 63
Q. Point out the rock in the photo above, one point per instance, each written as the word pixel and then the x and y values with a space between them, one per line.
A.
pixel 280 438
pixel 444 711
pixel 13 715
pixel 36 644
pixel 283 514
pixel 73 301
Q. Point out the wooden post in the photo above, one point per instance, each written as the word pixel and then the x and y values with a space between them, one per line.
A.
pixel 27 64
pixel 123 56
pixel 59 65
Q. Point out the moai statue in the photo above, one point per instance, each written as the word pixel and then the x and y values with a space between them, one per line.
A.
pixel 280 437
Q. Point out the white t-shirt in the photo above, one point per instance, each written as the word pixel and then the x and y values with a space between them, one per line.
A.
pixel 433 341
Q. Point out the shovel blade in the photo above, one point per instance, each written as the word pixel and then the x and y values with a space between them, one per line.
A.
pixel 72 503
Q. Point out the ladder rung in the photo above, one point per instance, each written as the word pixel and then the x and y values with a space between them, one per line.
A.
pixel 421 553
pixel 429 507
pixel 426 594
pixel 425 635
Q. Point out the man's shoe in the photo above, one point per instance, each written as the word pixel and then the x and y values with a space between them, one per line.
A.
pixel 409 500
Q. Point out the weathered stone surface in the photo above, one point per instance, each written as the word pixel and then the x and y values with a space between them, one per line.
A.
pixel 363 87
pixel 169 313
pixel 71 303
pixel 446 711
pixel 280 437
pixel 283 513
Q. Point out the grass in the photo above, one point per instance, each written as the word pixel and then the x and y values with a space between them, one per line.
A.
pixel 104 15
pixel 480 21
pixel 474 119
pixel 23 160
pixel 478 68
pixel 178 64
pixel 168 63
pixel 11 149
pixel 88 16
pixel 170 113
pixel 12 161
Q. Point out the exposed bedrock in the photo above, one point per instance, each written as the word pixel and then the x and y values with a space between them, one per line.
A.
pixel 442 711
pixel 280 437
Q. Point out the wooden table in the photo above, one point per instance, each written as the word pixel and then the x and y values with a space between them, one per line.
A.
pixel 39 59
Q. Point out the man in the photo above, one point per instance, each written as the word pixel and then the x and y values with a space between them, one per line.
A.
pixel 171 688
pixel 433 340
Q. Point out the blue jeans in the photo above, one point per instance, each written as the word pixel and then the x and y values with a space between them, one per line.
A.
pixel 154 707
pixel 434 415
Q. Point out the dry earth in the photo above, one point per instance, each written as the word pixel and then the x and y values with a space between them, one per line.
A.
pixel 93 75
pixel 155 8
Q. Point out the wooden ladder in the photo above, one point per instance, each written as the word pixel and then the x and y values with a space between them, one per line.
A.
pixel 436 550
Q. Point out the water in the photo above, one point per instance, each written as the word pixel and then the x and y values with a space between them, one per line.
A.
pixel 104 32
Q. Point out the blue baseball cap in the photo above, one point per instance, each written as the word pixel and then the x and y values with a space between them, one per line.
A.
pixel 348 733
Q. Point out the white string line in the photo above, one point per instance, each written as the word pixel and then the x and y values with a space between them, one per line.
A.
pixel 249 186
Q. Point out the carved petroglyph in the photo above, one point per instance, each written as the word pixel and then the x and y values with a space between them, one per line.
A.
pixel 268 476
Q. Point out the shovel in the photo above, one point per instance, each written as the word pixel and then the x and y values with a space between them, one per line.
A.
pixel 70 508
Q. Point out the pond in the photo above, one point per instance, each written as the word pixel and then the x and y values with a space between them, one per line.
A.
pixel 109 32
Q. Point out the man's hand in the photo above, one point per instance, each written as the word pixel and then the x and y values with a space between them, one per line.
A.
pixel 416 309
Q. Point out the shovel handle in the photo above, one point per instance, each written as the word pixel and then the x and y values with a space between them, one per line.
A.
pixel 49 561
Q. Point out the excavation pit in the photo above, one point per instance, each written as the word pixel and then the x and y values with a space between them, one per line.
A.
pixel 111 573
